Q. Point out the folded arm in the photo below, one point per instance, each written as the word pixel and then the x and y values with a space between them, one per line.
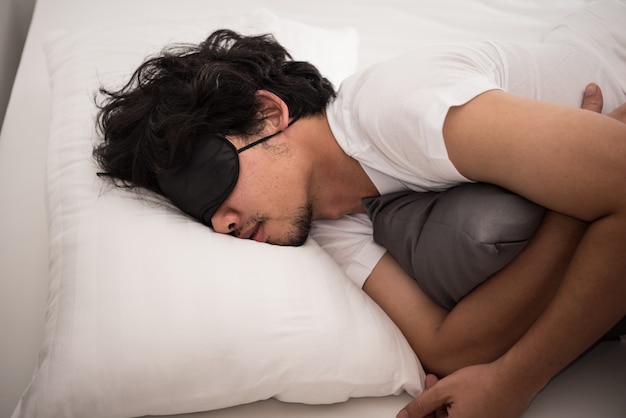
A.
pixel 493 317
pixel 573 162
pixel 488 321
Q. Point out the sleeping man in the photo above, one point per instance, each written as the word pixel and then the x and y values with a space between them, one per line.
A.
pixel 258 146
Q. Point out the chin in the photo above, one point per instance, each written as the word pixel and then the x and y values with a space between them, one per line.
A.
pixel 290 241
pixel 296 244
pixel 300 227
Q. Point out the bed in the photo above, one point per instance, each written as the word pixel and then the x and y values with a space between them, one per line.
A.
pixel 103 299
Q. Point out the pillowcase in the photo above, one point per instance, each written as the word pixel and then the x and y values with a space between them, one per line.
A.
pixel 152 313
pixel 452 241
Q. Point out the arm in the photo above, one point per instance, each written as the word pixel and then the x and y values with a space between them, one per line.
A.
pixel 572 162
pixel 469 334
pixel 516 295
pixel 568 160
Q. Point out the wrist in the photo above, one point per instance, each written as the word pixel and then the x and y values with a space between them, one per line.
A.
pixel 514 371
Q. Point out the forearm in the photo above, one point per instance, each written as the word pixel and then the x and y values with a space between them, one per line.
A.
pixel 488 321
pixel 580 172
pixel 576 167
pixel 589 301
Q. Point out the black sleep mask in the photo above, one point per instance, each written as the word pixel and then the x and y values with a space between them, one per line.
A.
pixel 200 187
pixel 209 177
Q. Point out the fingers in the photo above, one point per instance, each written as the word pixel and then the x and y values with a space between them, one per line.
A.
pixel 442 412
pixel 427 404
pixel 430 381
pixel 592 98
pixel 423 406
pixel 619 113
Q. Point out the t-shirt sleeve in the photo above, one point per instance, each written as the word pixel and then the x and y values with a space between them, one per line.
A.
pixel 350 243
pixel 400 106
pixel 390 118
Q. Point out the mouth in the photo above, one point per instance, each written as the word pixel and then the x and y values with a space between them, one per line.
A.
pixel 257 233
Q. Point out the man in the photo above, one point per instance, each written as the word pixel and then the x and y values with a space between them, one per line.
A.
pixel 252 144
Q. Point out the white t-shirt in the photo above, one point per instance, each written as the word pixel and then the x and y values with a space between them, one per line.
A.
pixel 390 117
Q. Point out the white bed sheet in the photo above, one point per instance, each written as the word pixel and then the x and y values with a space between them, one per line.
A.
pixel 593 386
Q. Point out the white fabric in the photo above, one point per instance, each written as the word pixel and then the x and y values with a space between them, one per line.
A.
pixel 385 29
pixel 390 117
pixel 150 312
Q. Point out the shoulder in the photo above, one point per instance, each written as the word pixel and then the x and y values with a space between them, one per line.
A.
pixel 420 75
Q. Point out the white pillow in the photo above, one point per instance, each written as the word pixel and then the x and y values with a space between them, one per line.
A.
pixel 152 313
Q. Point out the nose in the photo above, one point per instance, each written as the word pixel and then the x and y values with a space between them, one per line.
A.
pixel 225 220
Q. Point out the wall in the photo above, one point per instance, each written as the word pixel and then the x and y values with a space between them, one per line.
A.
pixel 15 18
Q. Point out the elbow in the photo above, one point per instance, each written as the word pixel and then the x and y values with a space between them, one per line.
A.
pixel 440 363
pixel 443 356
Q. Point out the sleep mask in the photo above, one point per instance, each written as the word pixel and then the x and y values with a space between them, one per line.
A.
pixel 209 177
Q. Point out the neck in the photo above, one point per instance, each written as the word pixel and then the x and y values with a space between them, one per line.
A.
pixel 338 182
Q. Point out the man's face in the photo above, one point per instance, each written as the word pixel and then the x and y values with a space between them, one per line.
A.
pixel 269 202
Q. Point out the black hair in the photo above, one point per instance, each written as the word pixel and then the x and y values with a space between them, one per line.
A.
pixel 187 92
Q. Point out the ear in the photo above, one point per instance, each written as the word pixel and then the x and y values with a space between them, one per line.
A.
pixel 273 109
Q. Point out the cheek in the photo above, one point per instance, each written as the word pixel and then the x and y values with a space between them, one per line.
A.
pixel 268 186
pixel 251 191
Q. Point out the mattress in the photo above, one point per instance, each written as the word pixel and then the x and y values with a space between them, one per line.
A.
pixel 594 385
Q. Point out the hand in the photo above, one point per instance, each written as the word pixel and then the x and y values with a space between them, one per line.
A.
pixel 592 100
pixel 619 113
pixel 429 382
pixel 481 391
